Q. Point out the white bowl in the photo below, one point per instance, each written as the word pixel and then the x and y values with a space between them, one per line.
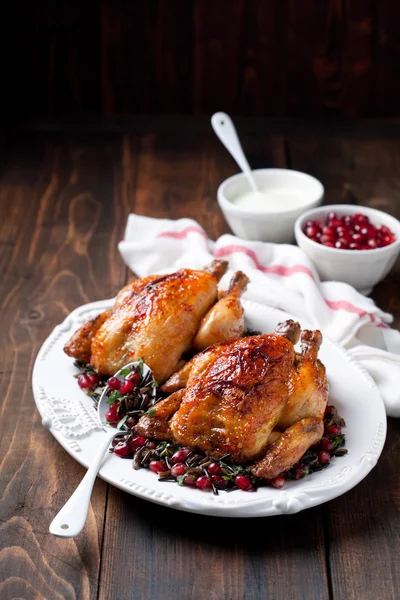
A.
pixel 360 268
pixel 271 226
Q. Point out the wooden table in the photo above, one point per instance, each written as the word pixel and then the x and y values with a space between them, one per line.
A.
pixel 65 193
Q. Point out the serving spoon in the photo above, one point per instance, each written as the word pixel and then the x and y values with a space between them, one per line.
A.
pixel 226 131
pixel 71 519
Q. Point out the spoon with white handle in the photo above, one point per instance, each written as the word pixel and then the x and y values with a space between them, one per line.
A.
pixel 70 521
pixel 226 131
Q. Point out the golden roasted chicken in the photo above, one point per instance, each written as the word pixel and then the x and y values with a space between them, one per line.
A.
pixel 161 317
pixel 253 398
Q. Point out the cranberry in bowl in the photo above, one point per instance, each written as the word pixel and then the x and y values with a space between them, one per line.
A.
pixel 353 244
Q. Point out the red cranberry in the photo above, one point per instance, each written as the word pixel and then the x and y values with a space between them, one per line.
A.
pixel 178 469
pixel 190 480
pixel 325 239
pixel 117 440
pixel 361 219
pixel 324 458
pixel 278 482
pixel 382 229
pixel 114 383
pixel 180 456
pixel 219 481
pixel 357 237
pixel 158 466
pixel 368 230
pixel 243 482
pixel 329 231
pixel 333 430
pixel 299 474
pixel 214 469
pixel 112 415
pixel 204 483
pixel 312 230
pixel 348 220
pixel 326 445
pixel 123 449
pixel 351 232
pixel 84 382
pixel 386 240
pixel 133 377
pixel 94 378
pixel 126 387
pixel 137 441
pixel 330 410
pixel 152 445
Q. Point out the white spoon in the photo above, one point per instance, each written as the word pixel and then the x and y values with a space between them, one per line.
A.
pixel 226 131
pixel 70 521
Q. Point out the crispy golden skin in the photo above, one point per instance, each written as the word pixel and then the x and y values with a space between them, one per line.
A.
pixel 234 399
pixel 157 323
pixel 249 398
pixel 157 319
pixel 80 344
pixel 289 448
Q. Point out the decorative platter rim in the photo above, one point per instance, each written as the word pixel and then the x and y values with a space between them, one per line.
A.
pixel 70 417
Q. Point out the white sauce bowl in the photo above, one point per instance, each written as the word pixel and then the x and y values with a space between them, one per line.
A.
pixel 275 225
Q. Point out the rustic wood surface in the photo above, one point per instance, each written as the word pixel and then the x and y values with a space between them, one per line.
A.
pixel 64 200
pixel 249 57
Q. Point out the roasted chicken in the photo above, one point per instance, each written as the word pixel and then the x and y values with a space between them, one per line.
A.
pixel 161 317
pixel 253 398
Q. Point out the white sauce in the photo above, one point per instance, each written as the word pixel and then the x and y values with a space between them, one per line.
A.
pixel 272 200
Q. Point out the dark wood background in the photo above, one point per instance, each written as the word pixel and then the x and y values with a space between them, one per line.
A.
pixel 248 57
pixel 64 201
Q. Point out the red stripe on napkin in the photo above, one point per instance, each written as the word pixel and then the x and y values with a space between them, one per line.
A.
pixel 179 235
pixel 273 269
pixel 287 271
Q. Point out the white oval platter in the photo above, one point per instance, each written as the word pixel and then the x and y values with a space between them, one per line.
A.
pixel 70 416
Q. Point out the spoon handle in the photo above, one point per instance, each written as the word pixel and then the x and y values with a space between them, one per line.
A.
pixel 226 131
pixel 71 518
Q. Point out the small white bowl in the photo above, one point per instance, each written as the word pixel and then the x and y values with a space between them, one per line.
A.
pixel 268 226
pixel 360 268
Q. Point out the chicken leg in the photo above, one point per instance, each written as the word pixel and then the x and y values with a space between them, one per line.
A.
pixel 225 320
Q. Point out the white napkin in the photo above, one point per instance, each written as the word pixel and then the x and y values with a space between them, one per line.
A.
pixel 281 276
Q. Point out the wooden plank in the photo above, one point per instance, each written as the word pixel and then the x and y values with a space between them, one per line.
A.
pixel 146 56
pixel 386 88
pixel 154 552
pixel 330 58
pixel 61 214
pixel 363 525
pixel 277 57
pixel 239 56
pixel 54 50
